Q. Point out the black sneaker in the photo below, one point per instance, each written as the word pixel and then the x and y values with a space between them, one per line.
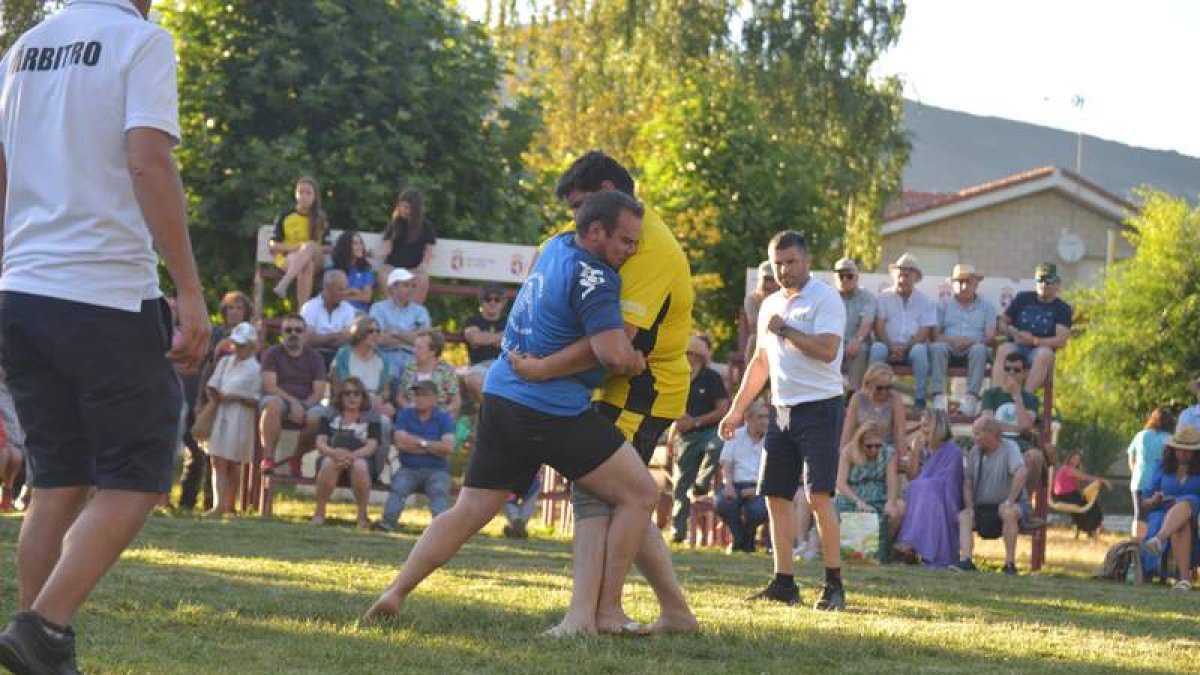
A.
pixel 1010 570
pixel 382 526
pixel 964 566
pixel 833 599
pixel 777 593
pixel 27 649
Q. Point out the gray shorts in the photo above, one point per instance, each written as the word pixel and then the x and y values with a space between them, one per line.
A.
pixel 480 369
pixel 645 438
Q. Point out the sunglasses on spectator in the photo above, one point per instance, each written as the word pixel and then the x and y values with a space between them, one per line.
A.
pixel 1047 280
pixel 493 298
pixel 352 392
pixel 873 446
pixel 372 331
pixel 1009 369
pixel 846 275
pixel 293 331
pixel 884 387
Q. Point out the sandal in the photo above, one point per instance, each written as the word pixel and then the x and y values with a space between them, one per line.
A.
pixel 1183 585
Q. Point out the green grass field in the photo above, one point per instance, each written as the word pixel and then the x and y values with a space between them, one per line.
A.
pixel 281 596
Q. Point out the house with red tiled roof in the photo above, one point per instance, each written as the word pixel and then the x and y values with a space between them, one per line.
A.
pixel 1006 226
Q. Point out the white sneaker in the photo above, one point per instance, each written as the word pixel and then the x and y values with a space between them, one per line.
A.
pixel 969 405
pixel 940 402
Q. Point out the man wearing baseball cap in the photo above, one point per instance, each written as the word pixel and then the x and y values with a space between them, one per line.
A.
pixel 1038 324
pixel 860 320
pixel 425 438
pixel 966 326
pixel 399 319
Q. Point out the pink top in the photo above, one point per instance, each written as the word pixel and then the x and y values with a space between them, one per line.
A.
pixel 1066 480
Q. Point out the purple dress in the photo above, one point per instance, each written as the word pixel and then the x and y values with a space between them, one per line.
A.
pixel 934 498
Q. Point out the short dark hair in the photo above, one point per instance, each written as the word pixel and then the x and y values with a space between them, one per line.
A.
pixel 292 316
pixel 492 288
pixel 588 173
pixel 1013 357
pixel 437 341
pixel 788 239
pixel 605 207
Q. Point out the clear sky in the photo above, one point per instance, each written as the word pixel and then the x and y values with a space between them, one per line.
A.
pixel 1134 64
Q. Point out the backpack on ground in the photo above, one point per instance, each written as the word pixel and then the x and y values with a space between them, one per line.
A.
pixel 1123 562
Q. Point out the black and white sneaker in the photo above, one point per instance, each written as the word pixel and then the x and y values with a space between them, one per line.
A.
pixel 833 599
pixel 28 648
pixel 777 593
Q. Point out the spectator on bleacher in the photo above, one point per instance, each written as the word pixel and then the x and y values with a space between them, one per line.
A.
pixel 1067 489
pixel 1037 323
pixel 328 315
pixel 1017 410
pixel 236 385
pixel 1145 460
pixel 738 501
pixel 966 326
pixel 862 477
pixel 350 255
pixel 518 509
pixel 299 241
pixel 408 242
pixel 904 322
pixel 860 321
pixel 693 437
pixel 425 438
pixel 348 443
pixel 294 382
pixel 363 359
pixel 483 333
pixel 399 319
pixel 428 365
pixel 878 402
pixel 1172 501
pixel 766 285
pixel 994 497
pixel 923 518
pixel 1191 416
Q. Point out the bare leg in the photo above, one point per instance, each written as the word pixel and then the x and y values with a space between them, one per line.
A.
pixel 420 286
pixel 50 514
pixel 1002 351
pixel 293 267
pixel 233 481
pixel 220 475
pixel 326 481
pixel 360 484
pixel 270 423
pixel 588 544
pixel 1177 517
pixel 92 544
pixel 441 540
pixel 966 536
pixel 304 280
pixel 803 516
pixel 1043 364
pixel 1181 551
pixel 1011 518
pixel 829 529
pixel 895 517
pixel 783 530
pixel 654 561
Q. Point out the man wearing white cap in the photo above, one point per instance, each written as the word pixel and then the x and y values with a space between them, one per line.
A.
pixel 904 323
pixel 860 320
pixel 399 319
pixel 966 326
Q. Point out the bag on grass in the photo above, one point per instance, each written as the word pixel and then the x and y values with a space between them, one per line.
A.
pixel 860 536
pixel 1123 562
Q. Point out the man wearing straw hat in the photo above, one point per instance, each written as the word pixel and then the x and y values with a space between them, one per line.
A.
pixel 904 322
pixel 966 326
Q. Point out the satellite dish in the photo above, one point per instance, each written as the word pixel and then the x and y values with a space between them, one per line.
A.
pixel 1071 247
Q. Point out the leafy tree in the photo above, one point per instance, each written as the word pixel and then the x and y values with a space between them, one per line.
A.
pixel 18 16
pixel 1137 346
pixel 368 96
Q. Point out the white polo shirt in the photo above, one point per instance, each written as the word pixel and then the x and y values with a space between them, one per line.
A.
pixel 71 88
pixel 795 378
pixel 321 321
pixel 745 454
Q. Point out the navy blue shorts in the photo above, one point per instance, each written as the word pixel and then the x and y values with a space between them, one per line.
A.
pixel 99 401
pixel 809 442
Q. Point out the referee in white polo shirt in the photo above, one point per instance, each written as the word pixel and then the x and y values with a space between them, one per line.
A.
pixel 800 348
pixel 88 190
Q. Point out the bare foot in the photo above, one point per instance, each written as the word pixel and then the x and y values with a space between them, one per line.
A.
pixel 280 290
pixel 566 630
pixel 364 523
pixel 675 624
pixel 386 606
pixel 318 520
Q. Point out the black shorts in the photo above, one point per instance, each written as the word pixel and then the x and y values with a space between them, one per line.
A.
pixel 642 431
pixel 809 442
pixel 100 403
pixel 513 441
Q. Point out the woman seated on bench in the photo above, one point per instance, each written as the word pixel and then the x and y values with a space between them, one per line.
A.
pixel 408 243
pixel 347 442
pixel 300 241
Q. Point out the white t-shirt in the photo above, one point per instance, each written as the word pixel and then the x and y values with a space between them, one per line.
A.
pixel 745 454
pixel 795 378
pixel 902 318
pixel 70 89
pixel 322 321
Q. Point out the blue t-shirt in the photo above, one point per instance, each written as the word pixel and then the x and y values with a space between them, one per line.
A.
pixel 1026 312
pixel 360 277
pixel 569 294
pixel 438 425
pixel 407 318
pixel 1189 417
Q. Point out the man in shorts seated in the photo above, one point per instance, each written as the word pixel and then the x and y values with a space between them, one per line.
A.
pixel 573 291
pixel 994 496
pixel 294 382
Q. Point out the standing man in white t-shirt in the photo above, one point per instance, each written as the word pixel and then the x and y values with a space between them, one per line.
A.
pixel 88 191
pixel 800 348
